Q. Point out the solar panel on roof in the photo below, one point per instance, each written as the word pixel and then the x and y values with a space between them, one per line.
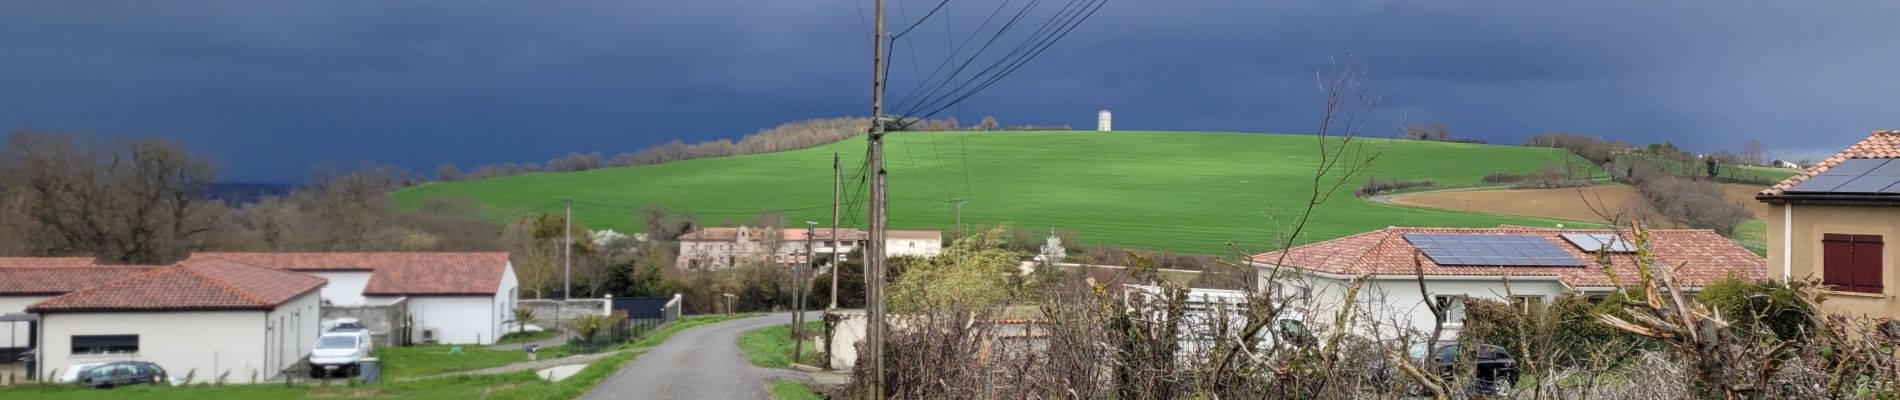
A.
pixel 1867 184
pixel 1594 242
pixel 1856 167
pixel 1854 176
pixel 1889 169
pixel 1491 250
pixel 1820 184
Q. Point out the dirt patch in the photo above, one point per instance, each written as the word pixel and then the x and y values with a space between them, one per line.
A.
pixel 1571 204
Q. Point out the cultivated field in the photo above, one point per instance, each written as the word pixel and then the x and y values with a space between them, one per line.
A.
pixel 1176 191
pixel 1571 204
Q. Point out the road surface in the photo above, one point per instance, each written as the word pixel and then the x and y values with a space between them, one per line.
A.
pixel 702 362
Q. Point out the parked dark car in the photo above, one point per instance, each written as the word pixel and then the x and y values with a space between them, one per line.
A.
pixel 123 373
pixel 1492 368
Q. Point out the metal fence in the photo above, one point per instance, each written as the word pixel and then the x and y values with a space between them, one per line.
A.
pixel 641 322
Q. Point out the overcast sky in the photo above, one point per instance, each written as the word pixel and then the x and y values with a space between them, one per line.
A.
pixel 271 88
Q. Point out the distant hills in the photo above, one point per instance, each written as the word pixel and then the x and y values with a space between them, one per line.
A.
pixel 1187 192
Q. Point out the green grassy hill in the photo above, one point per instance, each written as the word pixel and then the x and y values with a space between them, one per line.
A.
pixel 1176 191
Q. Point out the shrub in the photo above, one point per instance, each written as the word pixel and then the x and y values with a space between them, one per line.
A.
pixel 1374 186
pixel 1504 177
pixel 1756 305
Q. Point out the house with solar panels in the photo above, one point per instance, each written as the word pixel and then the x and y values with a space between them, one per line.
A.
pixel 1831 222
pixel 1458 264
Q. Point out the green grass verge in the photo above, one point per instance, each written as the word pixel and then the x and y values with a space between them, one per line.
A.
pixel 793 390
pixel 771 346
pixel 1188 192
pixel 417 361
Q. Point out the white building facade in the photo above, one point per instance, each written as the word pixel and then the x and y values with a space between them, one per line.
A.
pixel 222 318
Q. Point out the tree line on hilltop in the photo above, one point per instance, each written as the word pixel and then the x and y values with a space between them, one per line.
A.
pixel 784 137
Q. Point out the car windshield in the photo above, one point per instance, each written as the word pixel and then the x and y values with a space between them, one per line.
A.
pixel 1416 352
pixel 336 342
pixel 1292 327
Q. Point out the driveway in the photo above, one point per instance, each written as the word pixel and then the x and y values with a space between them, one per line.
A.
pixel 703 362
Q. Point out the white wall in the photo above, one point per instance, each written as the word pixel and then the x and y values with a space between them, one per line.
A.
pixel 208 342
pixel 457 319
pixel 294 328
pixel 1386 307
pixel 912 247
pixel 345 287
pixel 505 299
pixel 15 334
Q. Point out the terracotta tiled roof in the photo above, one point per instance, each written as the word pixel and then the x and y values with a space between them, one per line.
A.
pixel 441 274
pixel 1880 144
pixel 8 262
pixel 54 281
pixel 1709 256
pixel 712 234
pixel 394 273
pixel 196 285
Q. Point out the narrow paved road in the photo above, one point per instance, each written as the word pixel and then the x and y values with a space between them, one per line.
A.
pixel 703 362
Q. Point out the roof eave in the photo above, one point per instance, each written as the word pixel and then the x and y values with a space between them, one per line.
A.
pixel 1829 199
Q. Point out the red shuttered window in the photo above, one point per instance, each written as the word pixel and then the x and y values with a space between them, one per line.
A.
pixel 1852 263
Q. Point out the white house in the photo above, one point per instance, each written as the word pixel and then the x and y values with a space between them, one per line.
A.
pixel 211 317
pixel 453 298
pixel 1461 263
pixel 24 282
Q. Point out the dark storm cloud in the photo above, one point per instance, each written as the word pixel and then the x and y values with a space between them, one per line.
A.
pixel 270 88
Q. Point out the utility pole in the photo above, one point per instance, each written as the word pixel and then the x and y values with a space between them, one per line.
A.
pixel 874 251
pixel 567 255
pixel 959 202
pixel 837 189
pixel 798 331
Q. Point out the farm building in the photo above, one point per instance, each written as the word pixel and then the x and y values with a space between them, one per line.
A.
pixel 210 316
pixel 1831 222
pixel 450 297
pixel 717 248
pixel 1461 263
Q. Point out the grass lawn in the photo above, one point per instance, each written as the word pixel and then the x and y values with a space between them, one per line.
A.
pixel 417 361
pixel 1178 191
pixel 792 390
pixel 525 337
pixel 398 362
pixel 771 347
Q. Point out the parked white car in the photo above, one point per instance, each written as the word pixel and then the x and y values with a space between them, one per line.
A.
pixel 72 373
pixel 340 350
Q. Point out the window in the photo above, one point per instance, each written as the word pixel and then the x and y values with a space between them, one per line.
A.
pixel 1453 306
pixel 1527 304
pixel 336 342
pixel 105 344
pixel 1851 263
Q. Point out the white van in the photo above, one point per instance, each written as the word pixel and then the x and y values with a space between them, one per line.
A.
pixel 340 350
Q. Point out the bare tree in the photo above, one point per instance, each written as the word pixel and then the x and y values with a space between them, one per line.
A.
pixel 123 201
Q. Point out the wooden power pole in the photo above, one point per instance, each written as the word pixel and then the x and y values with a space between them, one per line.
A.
pixel 837 189
pixel 874 249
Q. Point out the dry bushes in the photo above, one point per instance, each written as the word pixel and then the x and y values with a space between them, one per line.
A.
pixel 1649 341
pixel 1695 204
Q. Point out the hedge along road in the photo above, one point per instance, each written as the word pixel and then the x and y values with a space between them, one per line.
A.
pixel 702 362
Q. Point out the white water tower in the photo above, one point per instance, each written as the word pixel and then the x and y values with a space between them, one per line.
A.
pixel 1103 122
